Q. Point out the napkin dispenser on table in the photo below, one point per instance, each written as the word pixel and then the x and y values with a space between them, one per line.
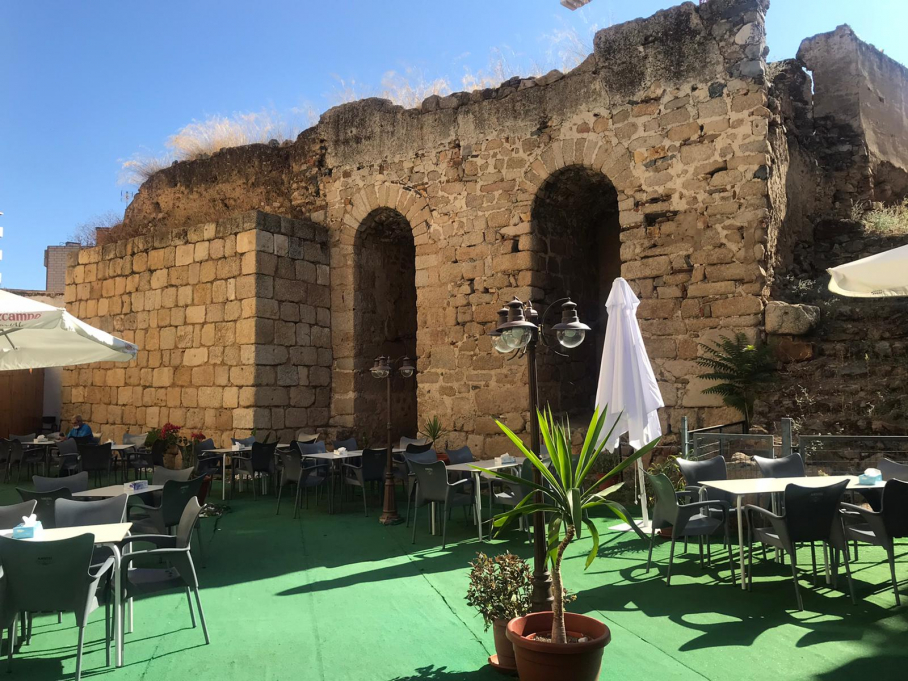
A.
pixel 871 476
pixel 29 528
pixel 136 485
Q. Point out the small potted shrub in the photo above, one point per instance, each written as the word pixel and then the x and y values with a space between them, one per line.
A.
pixel 432 430
pixel 552 646
pixel 500 590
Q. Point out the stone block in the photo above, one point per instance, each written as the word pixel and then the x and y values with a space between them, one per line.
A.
pixel 791 320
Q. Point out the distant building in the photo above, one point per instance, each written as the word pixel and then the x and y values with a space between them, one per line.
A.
pixel 55 261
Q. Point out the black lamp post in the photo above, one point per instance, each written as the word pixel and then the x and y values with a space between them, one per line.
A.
pixel 519 328
pixel 383 369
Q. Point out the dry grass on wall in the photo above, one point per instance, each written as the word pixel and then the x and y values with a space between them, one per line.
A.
pixel 877 217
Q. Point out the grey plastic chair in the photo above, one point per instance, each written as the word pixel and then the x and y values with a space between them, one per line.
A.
pixel 12 515
pixel 880 528
pixel 68 455
pixel 890 470
pixel 180 572
pixel 259 463
pixel 245 441
pixel 302 436
pixel 293 472
pixel 159 519
pixel 317 447
pixel 23 438
pixel 506 493
pixel 791 466
pixel 74 483
pixel 45 503
pixel 371 468
pixel 161 475
pixel 20 456
pixel 408 476
pixel 72 513
pixel 692 520
pixel 349 444
pixel 53 576
pixel 811 515
pixel 406 441
pixel 432 486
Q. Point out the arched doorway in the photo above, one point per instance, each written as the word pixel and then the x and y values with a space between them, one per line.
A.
pixel 384 321
pixel 575 216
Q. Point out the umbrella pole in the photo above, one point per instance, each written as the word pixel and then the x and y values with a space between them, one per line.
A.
pixel 642 486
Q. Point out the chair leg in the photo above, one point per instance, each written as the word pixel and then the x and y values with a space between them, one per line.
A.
pixel 279 491
pixel 813 559
pixel 365 508
pixel 895 584
pixel 107 629
pixel 444 523
pixel 794 577
pixel 296 503
pixel 189 602
pixel 700 545
pixel 731 560
pixel 79 652
pixel 652 540
pixel 198 603
pixel 671 559
pixel 709 558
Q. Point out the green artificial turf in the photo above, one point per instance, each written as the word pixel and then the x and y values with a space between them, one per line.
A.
pixel 342 598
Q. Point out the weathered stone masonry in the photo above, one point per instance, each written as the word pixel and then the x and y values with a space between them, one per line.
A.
pixel 668 134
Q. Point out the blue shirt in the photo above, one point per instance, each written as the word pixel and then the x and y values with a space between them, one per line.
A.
pixel 82 431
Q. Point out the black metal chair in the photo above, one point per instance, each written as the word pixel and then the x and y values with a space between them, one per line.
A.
pixel 880 528
pixel 371 469
pixel 811 515
pixel 45 502
pixel 433 486
pixel 694 519
pixel 95 460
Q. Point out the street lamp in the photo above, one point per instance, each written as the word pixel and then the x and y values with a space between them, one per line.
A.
pixel 520 329
pixel 384 369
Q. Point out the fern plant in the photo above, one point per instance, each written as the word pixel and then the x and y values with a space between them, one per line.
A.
pixel 741 370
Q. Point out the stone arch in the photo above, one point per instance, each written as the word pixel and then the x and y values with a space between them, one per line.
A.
pixel 404 200
pixel 575 221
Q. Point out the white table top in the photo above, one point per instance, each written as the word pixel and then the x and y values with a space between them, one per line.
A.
pixel 349 454
pixel 104 534
pixel 38 443
pixel 115 491
pixel 778 485
pixel 487 464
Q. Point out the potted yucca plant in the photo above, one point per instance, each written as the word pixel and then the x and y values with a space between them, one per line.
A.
pixel 556 645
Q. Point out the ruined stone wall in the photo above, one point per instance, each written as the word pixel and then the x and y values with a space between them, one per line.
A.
pixel 232 322
pixel 861 114
pixel 670 118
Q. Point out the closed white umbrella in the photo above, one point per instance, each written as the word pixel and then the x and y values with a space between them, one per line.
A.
pixel 627 384
pixel 34 335
pixel 883 275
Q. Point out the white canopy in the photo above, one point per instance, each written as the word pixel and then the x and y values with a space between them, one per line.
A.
pixel 34 335
pixel 627 385
pixel 882 275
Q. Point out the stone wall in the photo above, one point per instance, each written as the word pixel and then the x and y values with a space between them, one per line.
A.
pixel 232 320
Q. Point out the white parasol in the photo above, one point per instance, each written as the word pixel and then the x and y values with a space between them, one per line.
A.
pixel 883 275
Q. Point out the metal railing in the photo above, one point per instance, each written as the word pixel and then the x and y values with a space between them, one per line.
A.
pixel 850 454
pixel 687 435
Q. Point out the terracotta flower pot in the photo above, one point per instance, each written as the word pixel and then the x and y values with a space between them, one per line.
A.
pixel 544 661
pixel 503 659
pixel 173 458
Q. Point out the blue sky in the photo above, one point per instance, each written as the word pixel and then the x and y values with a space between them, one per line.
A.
pixel 85 85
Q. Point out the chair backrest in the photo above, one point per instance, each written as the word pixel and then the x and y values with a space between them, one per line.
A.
pixel 811 512
pixel 404 441
pixel 71 513
pixel 892 470
pixel 4 450
pixel 204 446
pixel 23 438
pixel 348 444
pixel 44 508
pixel 175 496
pixel 695 472
pixel 46 576
pixel 665 510
pixel 462 455
pixel 162 475
pixel 302 436
pixel 262 456
pixel 245 441
pixel 791 466
pixel 49 424
pixel 74 483
pixel 428 456
pixel 311 448
pixel 95 457
pixel 188 519
pixel 293 466
pixel 158 447
pixel 135 439
pixel 12 515
pixel 68 447
pixel 414 448
pixel 373 464
pixel 15 451
pixel 432 479
pixel 895 508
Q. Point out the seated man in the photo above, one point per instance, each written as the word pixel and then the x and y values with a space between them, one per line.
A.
pixel 80 430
